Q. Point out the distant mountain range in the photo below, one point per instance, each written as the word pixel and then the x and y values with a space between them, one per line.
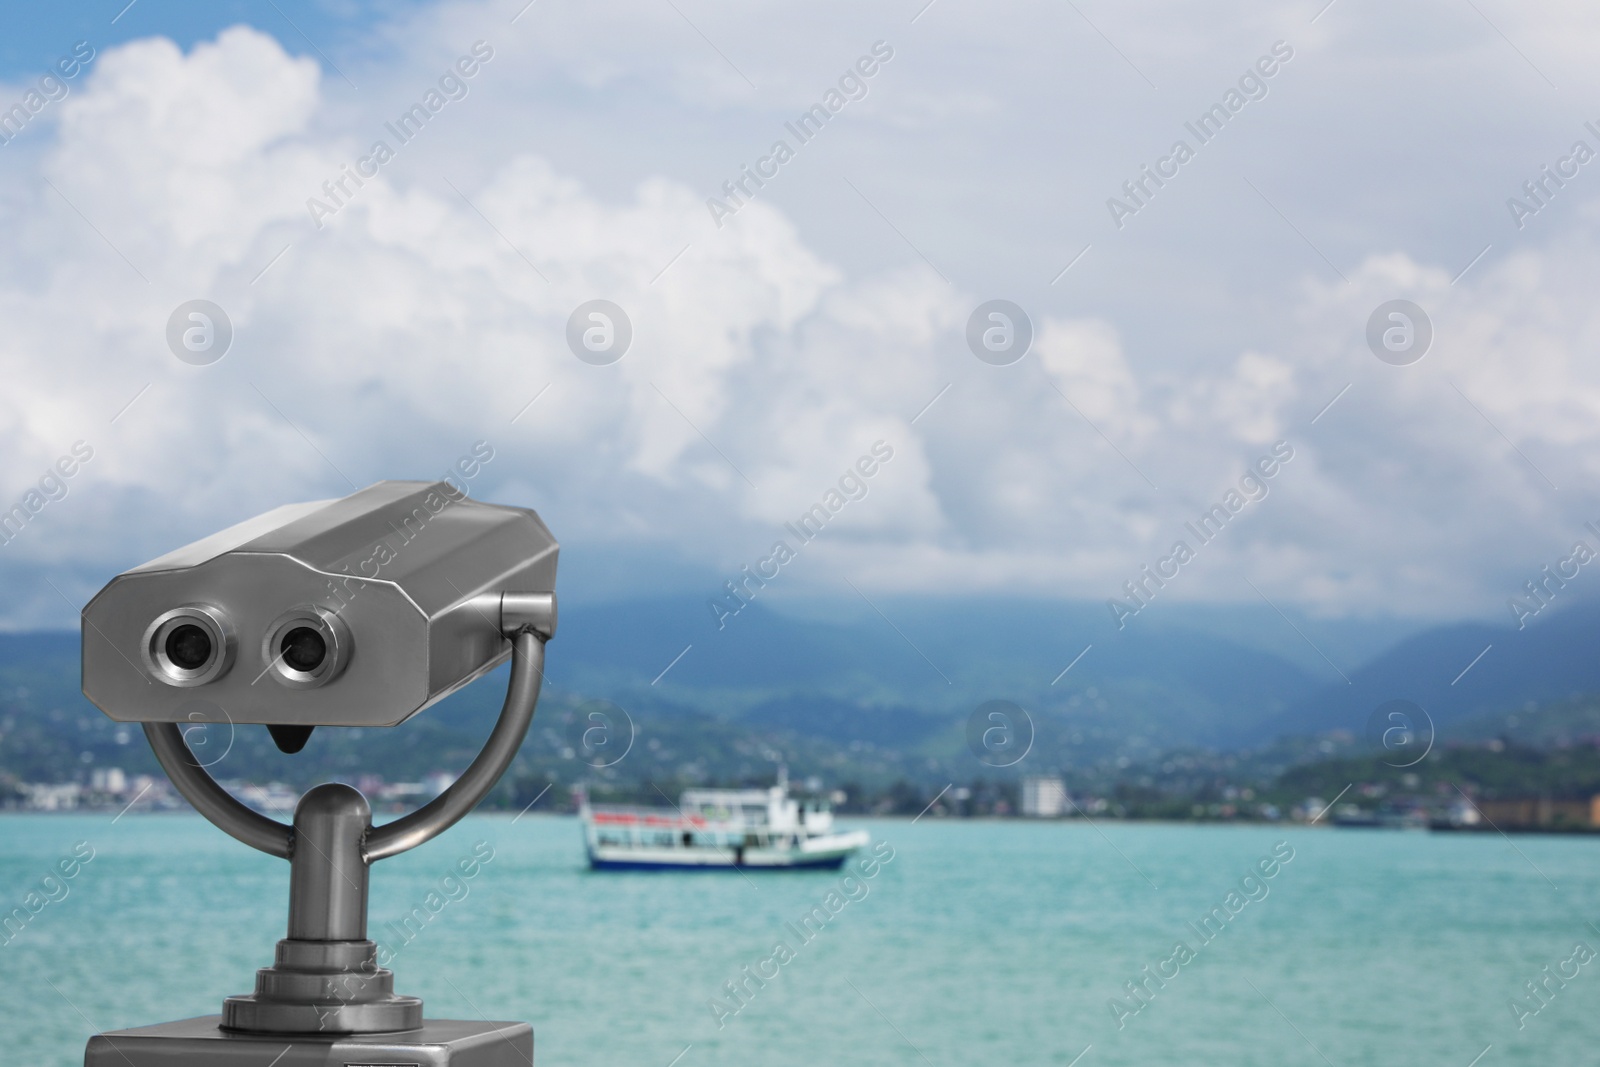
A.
pixel 880 695
pixel 1461 673
pixel 1195 679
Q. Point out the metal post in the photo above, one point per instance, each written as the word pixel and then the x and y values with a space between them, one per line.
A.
pixel 325 976
pixel 328 875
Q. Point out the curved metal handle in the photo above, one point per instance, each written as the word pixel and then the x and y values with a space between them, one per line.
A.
pixel 210 799
pixel 445 810
pixel 428 821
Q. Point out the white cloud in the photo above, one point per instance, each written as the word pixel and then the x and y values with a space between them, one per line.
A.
pixel 419 320
pixel 1085 358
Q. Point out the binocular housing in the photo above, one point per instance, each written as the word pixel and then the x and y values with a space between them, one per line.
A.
pixel 361 611
pixel 353 612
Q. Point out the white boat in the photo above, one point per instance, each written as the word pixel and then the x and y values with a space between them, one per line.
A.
pixel 745 829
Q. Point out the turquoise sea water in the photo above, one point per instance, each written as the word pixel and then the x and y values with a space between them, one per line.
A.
pixel 995 943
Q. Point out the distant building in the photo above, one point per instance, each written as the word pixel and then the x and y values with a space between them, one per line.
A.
pixel 1044 797
pixel 62 797
pixel 273 799
pixel 1527 813
pixel 108 780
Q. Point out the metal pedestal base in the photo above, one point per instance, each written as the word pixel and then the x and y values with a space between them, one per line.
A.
pixel 324 987
pixel 203 1043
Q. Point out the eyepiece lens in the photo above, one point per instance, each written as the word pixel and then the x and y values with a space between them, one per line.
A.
pixel 189 647
pixel 303 649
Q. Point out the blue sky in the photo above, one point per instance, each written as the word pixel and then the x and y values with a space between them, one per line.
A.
pixel 36 35
pixel 1185 330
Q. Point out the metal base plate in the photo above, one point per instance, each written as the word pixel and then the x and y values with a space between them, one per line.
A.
pixel 203 1043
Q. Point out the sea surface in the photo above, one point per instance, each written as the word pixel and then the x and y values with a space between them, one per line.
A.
pixel 976 943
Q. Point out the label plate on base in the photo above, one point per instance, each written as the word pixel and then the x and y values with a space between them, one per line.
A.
pixel 203 1043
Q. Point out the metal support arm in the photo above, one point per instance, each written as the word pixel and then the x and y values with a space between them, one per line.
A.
pixel 407 832
pixel 448 808
pixel 210 799
pixel 326 978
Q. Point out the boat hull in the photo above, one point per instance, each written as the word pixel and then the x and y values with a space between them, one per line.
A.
pixel 827 863
pixel 816 854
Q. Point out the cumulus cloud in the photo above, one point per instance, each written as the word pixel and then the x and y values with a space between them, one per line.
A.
pixel 430 312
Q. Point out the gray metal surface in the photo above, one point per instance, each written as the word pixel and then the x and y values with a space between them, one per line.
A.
pixel 202 1043
pixel 235 628
pixel 528 611
pixel 276 839
pixel 445 810
pixel 328 875
pixel 325 978
pixel 408 575
pixel 210 799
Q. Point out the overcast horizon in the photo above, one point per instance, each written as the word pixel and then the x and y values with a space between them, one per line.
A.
pixel 1211 327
